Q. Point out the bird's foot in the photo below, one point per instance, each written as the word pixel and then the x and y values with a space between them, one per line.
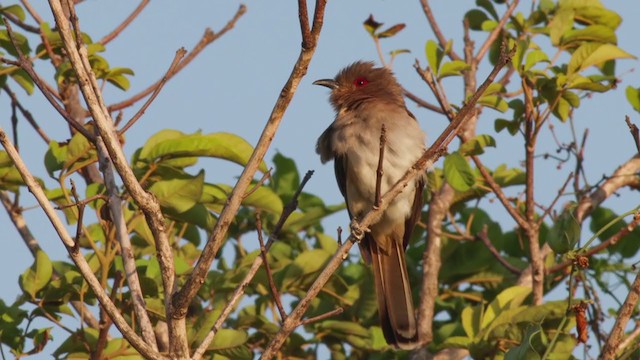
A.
pixel 356 230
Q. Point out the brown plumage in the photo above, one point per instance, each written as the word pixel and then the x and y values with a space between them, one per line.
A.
pixel 365 98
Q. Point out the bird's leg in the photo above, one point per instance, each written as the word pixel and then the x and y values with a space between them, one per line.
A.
pixel 356 230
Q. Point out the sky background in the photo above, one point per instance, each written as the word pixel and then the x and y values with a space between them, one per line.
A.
pixel 232 86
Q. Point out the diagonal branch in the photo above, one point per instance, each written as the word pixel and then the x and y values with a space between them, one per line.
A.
pixel 624 314
pixel 194 282
pixel 496 31
pixel 436 29
pixel 209 37
pixel 113 34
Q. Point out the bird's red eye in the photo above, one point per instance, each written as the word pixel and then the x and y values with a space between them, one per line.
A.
pixel 360 82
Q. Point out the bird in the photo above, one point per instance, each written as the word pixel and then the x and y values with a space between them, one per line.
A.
pixel 365 98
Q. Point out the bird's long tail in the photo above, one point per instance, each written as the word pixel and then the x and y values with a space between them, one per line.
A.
pixel 395 305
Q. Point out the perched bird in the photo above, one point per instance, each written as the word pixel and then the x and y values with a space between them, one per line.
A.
pixel 364 98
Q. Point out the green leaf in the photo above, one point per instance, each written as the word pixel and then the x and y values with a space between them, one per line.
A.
pixel 285 179
pixel 55 157
pixel 179 195
pixel 262 198
pixel 471 318
pixel 598 15
pixel 343 328
pixel 589 54
pixel 453 68
pixel 488 6
pixel 534 57
pixel 476 17
pixel 392 31
pixel 565 232
pixel 24 80
pixel 21 42
pixel 37 276
pixel 228 338
pixel 597 33
pixel 509 298
pixel 434 55
pixel 633 96
pixel 511 125
pixel 220 145
pixel 14 10
pixel 525 350
pixel 476 145
pixel 495 102
pixel 561 22
pixel 10 178
pixel 457 172
pixel 306 263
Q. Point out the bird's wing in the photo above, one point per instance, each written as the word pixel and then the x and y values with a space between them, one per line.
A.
pixel 323 146
pixel 416 211
pixel 340 164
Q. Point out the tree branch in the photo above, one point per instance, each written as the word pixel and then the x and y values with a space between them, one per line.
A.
pixel 194 282
pixel 209 37
pixel 436 29
pixel 145 201
pixel 113 34
pixel 627 309
pixel 496 31
pixel 76 256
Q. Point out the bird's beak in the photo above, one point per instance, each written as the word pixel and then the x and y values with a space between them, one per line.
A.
pixel 330 83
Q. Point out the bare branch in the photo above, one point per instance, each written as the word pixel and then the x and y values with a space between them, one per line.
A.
pixel 27 115
pixel 272 284
pixel 209 37
pixel 380 170
pixel 634 132
pixel 421 103
pixel 113 34
pixel 128 259
pixel 185 295
pixel 172 69
pixel 496 31
pixel 326 315
pixel 436 29
pixel 624 314
pixel 484 237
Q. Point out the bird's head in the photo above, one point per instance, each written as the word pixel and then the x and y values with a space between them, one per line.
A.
pixel 360 83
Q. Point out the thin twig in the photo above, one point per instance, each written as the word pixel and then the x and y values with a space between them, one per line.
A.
pixel 25 65
pixel 326 315
pixel 380 169
pixel 555 200
pixel 436 29
pixel 272 284
pixel 172 69
pixel 484 236
pixel 634 132
pixel 420 102
pixel 113 34
pixel 266 176
pixel 27 115
pixel 496 31
pixel 209 37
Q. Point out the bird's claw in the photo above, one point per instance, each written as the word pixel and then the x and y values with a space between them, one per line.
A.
pixel 357 231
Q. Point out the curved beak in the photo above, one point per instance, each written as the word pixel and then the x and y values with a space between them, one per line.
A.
pixel 330 83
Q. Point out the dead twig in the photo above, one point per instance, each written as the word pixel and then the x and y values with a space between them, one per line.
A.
pixel 483 235
pixel 380 169
pixel 272 284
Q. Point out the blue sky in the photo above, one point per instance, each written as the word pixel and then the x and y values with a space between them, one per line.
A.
pixel 234 83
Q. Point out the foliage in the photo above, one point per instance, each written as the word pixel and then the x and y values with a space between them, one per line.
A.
pixel 479 307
